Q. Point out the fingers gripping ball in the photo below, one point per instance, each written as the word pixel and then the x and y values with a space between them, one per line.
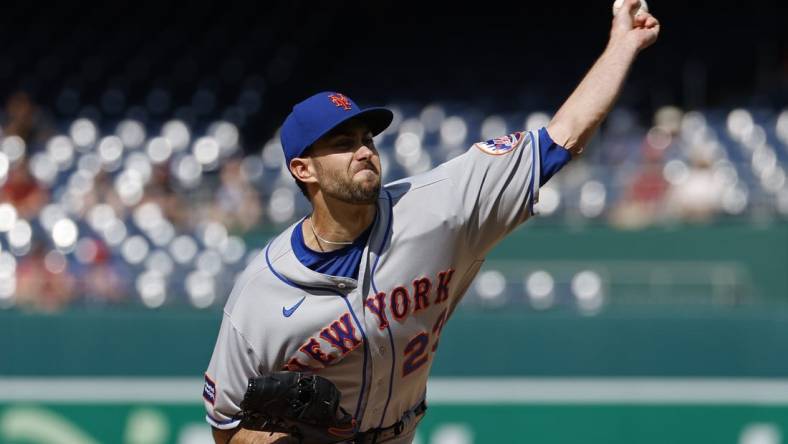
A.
pixel 619 3
pixel 304 406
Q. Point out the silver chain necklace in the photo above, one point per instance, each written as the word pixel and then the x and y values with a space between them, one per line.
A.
pixel 312 227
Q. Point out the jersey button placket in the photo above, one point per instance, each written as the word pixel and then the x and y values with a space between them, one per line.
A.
pixel 380 369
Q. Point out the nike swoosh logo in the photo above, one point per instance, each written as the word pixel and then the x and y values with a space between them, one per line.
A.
pixel 287 312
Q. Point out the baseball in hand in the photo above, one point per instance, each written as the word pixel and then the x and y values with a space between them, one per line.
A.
pixel 619 3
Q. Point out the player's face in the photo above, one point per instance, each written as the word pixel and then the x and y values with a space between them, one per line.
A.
pixel 347 164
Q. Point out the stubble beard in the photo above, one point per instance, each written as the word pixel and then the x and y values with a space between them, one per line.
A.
pixel 343 188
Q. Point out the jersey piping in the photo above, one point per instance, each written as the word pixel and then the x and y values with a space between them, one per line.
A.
pixel 388 327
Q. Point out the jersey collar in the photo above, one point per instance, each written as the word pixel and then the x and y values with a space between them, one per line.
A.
pixel 285 263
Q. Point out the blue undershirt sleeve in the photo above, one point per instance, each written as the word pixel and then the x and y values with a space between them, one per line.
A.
pixel 553 156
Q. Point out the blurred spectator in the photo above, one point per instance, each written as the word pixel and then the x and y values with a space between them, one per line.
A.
pixel 44 281
pixel 237 204
pixel 102 279
pixel 642 203
pixel 172 204
pixel 23 191
pixel 697 198
pixel 103 192
pixel 24 119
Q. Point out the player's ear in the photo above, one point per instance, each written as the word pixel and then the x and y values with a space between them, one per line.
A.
pixel 301 168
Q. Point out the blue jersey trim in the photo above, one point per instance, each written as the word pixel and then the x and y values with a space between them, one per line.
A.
pixel 388 327
pixel 355 318
pixel 533 173
pixel 222 425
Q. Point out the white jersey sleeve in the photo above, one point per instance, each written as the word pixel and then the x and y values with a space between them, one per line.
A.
pixel 495 185
pixel 234 361
pixel 483 194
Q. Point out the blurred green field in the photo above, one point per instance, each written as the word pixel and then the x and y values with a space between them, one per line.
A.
pixel 474 410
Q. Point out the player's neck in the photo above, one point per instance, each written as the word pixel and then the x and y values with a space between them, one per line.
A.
pixel 338 222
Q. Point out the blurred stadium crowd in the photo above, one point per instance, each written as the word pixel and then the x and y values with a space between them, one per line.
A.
pixel 157 212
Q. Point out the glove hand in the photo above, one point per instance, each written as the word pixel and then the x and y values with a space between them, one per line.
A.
pixel 304 406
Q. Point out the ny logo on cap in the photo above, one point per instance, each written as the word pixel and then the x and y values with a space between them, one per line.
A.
pixel 340 101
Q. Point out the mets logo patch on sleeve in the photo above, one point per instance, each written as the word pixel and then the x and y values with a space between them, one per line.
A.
pixel 501 145
pixel 209 390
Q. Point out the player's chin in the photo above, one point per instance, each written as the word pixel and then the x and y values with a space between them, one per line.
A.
pixel 369 188
pixel 366 191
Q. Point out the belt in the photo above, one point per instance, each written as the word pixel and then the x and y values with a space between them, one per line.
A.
pixel 373 436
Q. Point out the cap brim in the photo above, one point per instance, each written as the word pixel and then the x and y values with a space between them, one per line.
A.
pixel 377 119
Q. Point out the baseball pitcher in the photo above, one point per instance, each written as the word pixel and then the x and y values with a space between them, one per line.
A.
pixel 330 333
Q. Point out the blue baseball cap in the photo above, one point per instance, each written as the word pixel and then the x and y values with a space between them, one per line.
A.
pixel 319 114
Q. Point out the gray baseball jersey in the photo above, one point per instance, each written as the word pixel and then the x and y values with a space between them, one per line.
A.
pixel 376 337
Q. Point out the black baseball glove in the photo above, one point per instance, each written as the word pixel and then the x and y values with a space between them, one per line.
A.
pixel 304 406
